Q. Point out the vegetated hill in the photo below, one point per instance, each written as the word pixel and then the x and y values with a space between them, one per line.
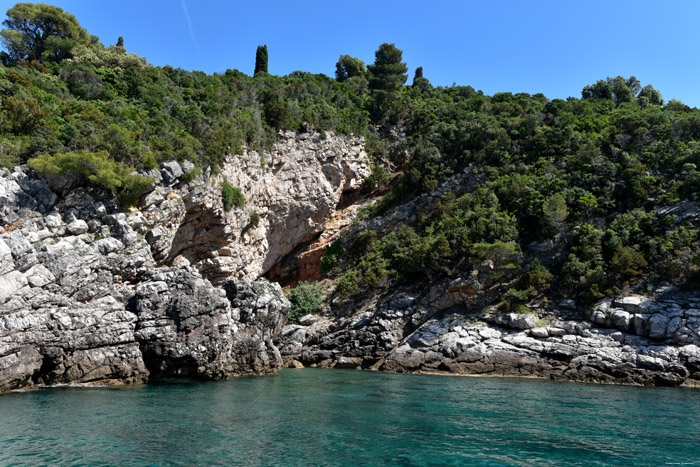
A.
pixel 586 174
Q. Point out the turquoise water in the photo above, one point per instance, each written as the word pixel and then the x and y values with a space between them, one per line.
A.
pixel 337 417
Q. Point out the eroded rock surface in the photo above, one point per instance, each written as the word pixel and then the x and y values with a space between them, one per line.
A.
pixel 81 301
pixel 294 189
pixel 631 340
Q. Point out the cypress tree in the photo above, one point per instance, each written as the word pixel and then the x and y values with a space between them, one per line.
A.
pixel 260 60
pixel 418 76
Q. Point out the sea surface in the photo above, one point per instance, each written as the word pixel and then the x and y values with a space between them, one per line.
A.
pixel 314 417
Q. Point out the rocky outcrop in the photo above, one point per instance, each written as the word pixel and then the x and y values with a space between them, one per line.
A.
pixel 631 340
pixel 187 328
pixel 293 190
pixel 81 301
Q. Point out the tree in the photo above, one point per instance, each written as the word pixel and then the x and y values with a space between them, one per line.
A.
pixel 386 76
pixel 555 211
pixel 418 75
pixel 624 90
pixel 120 42
pixel 419 82
pixel 260 60
pixel 305 298
pixel 348 66
pixel 599 90
pixel 41 32
pixel 388 72
pixel 652 95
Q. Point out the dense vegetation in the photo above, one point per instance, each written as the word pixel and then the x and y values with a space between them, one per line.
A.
pixel 587 174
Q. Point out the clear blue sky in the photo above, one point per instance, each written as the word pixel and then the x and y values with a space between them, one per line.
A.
pixel 555 47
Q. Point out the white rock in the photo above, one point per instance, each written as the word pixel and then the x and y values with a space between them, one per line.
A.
pixel 77 227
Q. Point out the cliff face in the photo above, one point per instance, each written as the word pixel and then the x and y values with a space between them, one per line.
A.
pixel 92 294
pixel 293 189
pixel 96 295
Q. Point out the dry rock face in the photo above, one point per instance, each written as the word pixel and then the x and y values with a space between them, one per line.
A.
pixel 82 303
pixel 294 190
pixel 93 294
pixel 631 340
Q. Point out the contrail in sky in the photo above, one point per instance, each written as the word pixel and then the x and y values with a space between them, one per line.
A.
pixel 189 24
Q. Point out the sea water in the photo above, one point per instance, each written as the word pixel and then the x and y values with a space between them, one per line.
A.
pixel 314 417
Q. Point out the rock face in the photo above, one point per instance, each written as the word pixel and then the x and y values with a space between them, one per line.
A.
pixel 293 190
pixel 187 328
pixel 631 340
pixel 82 303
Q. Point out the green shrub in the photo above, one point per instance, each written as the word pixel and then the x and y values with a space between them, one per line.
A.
pixel 97 169
pixel 376 179
pixel 331 256
pixel 190 175
pixel 149 161
pixel 231 196
pixel 305 298
pixel 538 277
pixel 347 285
pixel 254 219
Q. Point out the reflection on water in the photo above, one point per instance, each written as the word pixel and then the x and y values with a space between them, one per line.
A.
pixel 338 417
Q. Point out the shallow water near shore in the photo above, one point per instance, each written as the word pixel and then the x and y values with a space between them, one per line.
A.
pixel 345 417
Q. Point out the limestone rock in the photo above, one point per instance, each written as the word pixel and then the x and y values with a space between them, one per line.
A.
pixel 170 171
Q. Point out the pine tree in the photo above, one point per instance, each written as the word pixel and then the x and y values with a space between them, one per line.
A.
pixel 386 76
pixel 388 72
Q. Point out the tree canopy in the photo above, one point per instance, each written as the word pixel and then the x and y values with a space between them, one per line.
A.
pixel 348 67
pixel 36 31
pixel 388 72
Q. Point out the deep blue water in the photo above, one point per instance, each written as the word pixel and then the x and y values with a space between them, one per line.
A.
pixel 336 417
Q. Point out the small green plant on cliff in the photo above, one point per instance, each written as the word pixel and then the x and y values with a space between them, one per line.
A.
pixel 254 219
pixel 190 175
pixel 305 298
pixel 331 256
pixel 231 196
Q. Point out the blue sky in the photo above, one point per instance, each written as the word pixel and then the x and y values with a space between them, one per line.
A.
pixel 553 47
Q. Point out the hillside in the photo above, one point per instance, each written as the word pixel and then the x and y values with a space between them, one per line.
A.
pixel 503 207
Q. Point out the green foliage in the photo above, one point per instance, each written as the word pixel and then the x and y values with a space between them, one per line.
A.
pixel 305 298
pixel 377 178
pixel 348 285
pixel 95 168
pixel 514 300
pixel 555 211
pixel 260 60
pixel 254 219
pixel 538 277
pixel 331 256
pixel 190 175
pixel 231 196
pixel 349 67
pixel 36 31
pixel 386 76
pixel 388 72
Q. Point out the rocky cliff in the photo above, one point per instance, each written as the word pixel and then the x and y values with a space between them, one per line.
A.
pixel 293 190
pixel 632 340
pixel 93 294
